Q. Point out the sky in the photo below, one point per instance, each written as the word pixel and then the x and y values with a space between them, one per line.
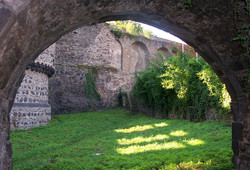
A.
pixel 161 34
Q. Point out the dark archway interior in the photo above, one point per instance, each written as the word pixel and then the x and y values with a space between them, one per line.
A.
pixel 29 27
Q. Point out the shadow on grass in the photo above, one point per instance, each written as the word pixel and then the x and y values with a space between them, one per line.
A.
pixel 115 139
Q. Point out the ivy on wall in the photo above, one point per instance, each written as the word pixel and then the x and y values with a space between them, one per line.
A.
pixel 90 88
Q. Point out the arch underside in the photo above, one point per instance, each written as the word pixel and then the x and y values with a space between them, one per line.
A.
pixel 29 27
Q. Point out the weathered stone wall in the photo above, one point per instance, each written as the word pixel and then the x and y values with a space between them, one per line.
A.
pixel 137 51
pixel 31 107
pixel 89 47
pixel 114 59
pixel 78 51
pixel 28 27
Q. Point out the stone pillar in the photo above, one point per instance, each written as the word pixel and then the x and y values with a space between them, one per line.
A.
pixel 6 101
pixel 5 145
pixel 31 107
pixel 241 132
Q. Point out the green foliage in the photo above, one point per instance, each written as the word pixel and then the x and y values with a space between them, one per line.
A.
pixel 243 37
pixel 90 88
pixel 182 85
pixel 123 141
pixel 175 49
pixel 241 11
pixel 148 86
pixel 116 32
pixel 215 87
pixel 131 27
pixel 188 4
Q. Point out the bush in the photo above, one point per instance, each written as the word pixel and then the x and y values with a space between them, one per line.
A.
pixel 182 85
pixel 131 27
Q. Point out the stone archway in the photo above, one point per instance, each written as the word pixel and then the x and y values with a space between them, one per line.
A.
pixel 28 27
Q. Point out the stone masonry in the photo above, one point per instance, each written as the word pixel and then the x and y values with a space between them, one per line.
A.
pixel 114 59
pixel 216 29
pixel 31 107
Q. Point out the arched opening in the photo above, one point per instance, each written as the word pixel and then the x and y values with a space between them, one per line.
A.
pixel 141 56
pixel 27 28
pixel 65 62
pixel 163 51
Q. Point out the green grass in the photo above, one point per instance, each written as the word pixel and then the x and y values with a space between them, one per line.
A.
pixel 115 139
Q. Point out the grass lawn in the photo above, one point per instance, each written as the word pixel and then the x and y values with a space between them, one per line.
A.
pixel 115 139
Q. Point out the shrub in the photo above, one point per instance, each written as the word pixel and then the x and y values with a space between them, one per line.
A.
pixel 182 85
pixel 131 27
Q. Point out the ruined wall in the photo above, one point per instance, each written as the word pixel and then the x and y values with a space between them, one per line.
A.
pixel 78 51
pixel 114 59
pixel 31 107
pixel 138 51
pixel 27 27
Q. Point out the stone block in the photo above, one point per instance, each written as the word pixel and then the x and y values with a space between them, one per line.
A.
pixel 27 115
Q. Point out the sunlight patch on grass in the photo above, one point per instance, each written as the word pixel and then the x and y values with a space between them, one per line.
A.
pixel 194 142
pixel 134 129
pixel 195 165
pixel 125 141
pixel 89 141
pixel 149 147
pixel 163 124
pixel 178 133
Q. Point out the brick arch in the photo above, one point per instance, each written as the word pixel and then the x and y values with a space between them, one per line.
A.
pixel 164 50
pixel 142 55
pixel 28 27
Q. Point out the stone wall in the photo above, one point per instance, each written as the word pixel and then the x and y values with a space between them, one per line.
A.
pixel 28 27
pixel 31 107
pixel 114 59
pixel 78 51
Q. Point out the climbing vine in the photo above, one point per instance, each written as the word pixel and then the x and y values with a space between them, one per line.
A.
pixel 242 7
pixel 241 11
pixel 90 88
pixel 243 37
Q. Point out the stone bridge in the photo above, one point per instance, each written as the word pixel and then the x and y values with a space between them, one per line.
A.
pixel 30 26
